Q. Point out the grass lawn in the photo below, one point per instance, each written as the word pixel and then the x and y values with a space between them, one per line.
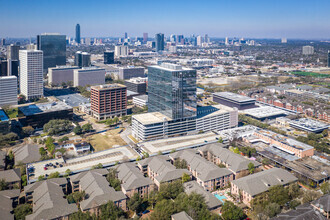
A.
pixel 311 74
pixel 12 112
pixel 106 140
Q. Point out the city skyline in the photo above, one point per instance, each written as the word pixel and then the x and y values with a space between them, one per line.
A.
pixel 256 19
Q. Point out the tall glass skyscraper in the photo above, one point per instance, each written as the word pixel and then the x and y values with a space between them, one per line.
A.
pixel 329 58
pixel 172 91
pixel 54 49
pixel 159 38
pixel 78 34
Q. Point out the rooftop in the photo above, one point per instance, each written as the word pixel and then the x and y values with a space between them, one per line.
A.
pixel 305 211
pixel 309 124
pixel 44 107
pixel 108 86
pixel 6 203
pixel 181 216
pixel 3 116
pixel 260 182
pixel 12 175
pixel 143 97
pixel 171 67
pixel 264 112
pixel 234 97
pixel 27 154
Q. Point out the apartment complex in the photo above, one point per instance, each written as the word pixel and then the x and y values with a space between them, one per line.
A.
pixel 8 90
pixel 88 76
pixel 31 73
pixel 108 101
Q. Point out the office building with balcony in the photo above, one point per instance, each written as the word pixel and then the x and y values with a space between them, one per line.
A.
pixel 108 101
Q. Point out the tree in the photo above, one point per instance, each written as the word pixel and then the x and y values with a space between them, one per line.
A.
pixel 278 194
pixel 111 212
pixel 135 203
pixel 28 130
pixel 220 140
pixel 63 139
pixel 42 151
pixel 57 126
pixel 170 190
pixel 185 177
pixel 54 175
pixel 113 180
pixel 97 166
pixel 3 185
pixel 78 130
pixel 294 191
pixel 232 212
pixel 22 210
pixel 251 167
pixel 87 127
pixel 82 216
pixel 50 145
pixel 272 209
pixel 76 197
pixel 325 188
pixel 24 180
pixel 163 210
pixel 180 163
pixel 67 172
pixel 310 195
pixel 294 203
pixel 41 178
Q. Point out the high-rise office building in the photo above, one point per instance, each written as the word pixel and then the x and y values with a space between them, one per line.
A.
pixel 31 73
pixel 206 39
pixel 108 101
pixel 329 58
pixel 78 39
pixel 121 50
pixel 307 50
pixel 3 42
pixel 180 39
pixel 227 41
pixel 13 52
pixel 109 57
pixel 145 37
pixel 199 40
pixel 159 39
pixel 8 90
pixel 82 59
pixel 172 91
pixel 125 35
pixel 53 46
pixel 173 38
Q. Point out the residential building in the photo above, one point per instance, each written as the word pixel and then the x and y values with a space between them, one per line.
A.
pixel 47 198
pixel 78 39
pixel 26 154
pixel 160 170
pixel 207 174
pixel 31 73
pixel 181 216
pixel 307 50
pixel 121 51
pixel 211 201
pixel 9 199
pixel 82 59
pixel 250 186
pixel 133 181
pixel 108 101
pixel 97 189
pixel 140 101
pixel 79 147
pixel 109 57
pixel 12 178
pixel 217 154
pixel 322 205
pixel 3 156
pixel 8 90
pixel 130 72
pixel 304 211
pixel 53 46
pixel 234 100
pixel 60 74
pixel 138 85
pixel 88 76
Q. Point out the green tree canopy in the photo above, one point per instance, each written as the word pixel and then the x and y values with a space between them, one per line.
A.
pixel 232 212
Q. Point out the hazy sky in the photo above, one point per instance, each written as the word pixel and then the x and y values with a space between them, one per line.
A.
pixel 219 18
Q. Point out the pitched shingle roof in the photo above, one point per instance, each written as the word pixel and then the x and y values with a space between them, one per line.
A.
pixel 131 177
pixel 302 212
pixel 13 175
pixel 181 216
pixel 260 182
pixel 235 161
pixel 211 201
pixel 27 154
pixel 323 203
pixel 49 201
pixel 6 203
pixel 2 159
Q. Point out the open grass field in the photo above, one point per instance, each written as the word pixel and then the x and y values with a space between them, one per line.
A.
pixel 311 74
pixel 106 140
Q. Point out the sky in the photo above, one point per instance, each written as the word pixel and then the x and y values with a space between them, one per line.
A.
pixel 304 19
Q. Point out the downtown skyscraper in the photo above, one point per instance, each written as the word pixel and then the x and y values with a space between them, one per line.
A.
pixel 159 40
pixel 53 46
pixel 78 40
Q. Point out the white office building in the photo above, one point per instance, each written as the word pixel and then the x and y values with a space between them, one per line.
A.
pixel 60 74
pixel 308 50
pixel 121 51
pixel 8 90
pixel 31 73
pixel 141 100
pixel 199 41
pixel 88 76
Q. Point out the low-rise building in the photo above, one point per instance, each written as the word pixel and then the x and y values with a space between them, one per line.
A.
pixel 309 125
pixel 12 178
pixel 322 204
pixel 3 155
pixel 131 72
pixel 304 211
pixel 207 174
pixel 26 154
pixel 8 90
pixel 88 76
pixel 77 147
pixel 97 189
pixel 211 201
pixel 138 85
pixel 234 100
pixel 60 74
pixel 236 163
pixel 9 199
pixel 141 100
pixel 249 187
pixel 48 200
pixel 133 181
pixel 181 216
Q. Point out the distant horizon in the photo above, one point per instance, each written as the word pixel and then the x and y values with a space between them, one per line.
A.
pixel 256 19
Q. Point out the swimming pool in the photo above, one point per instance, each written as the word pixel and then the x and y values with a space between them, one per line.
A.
pixel 221 197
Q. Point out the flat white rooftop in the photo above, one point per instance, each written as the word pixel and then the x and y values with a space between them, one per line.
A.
pixel 178 143
pixel 264 112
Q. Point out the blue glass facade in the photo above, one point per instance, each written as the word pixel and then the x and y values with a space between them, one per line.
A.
pixel 54 49
pixel 172 92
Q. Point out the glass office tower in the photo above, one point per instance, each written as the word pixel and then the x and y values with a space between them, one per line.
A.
pixel 159 38
pixel 78 34
pixel 54 49
pixel 172 91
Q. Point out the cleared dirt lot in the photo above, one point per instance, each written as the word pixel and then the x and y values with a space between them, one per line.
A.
pixel 106 140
